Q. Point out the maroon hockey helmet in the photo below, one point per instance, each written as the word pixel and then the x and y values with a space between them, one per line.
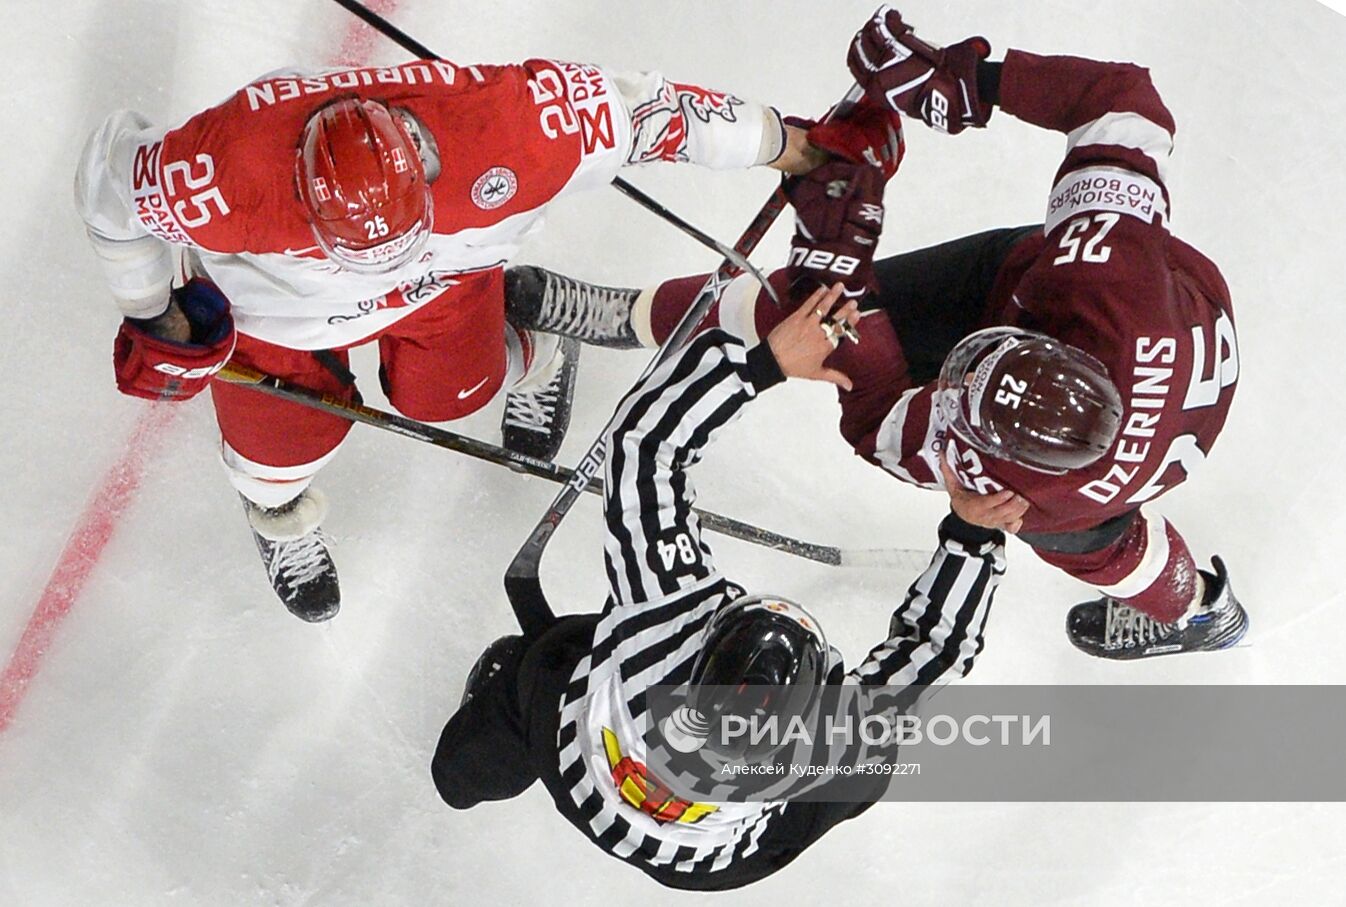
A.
pixel 1026 398
pixel 363 186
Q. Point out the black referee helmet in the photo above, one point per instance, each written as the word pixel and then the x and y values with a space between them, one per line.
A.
pixel 764 658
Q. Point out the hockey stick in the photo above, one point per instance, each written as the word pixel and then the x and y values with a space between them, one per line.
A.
pixel 411 45
pixel 731 255
pixel 545 469
pixel 523 584
pixel 388 30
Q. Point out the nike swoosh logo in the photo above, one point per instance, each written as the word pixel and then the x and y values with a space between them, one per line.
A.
pixel 463 395
pixel 303 251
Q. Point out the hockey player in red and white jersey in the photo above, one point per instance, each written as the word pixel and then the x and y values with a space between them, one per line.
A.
pixel 312 212
pixel 1068 373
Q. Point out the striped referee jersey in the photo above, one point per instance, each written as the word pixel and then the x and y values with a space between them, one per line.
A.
pixel 664 589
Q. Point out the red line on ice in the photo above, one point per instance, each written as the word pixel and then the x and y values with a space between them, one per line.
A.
pixel 358 45
pixel 81 554
pixel 115 493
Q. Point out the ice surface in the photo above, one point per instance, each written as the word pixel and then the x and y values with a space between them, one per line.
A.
pixel 186 741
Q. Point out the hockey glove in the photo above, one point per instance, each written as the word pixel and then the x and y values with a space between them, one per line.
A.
pixel 155 368
pixel 838 219
pixel 870 133
pixel 937 85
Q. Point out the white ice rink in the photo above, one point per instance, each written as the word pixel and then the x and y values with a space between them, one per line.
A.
pixel 179 739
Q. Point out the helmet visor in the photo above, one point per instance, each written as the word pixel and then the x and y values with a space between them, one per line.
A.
pixel 964 380
pixel 1028 399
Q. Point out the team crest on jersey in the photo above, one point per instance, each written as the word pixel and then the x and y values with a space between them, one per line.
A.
pixel 704 103
pixel 494 187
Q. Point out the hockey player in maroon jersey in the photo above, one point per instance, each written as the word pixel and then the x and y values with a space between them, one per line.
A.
pixel 1068 373
pixel 312 212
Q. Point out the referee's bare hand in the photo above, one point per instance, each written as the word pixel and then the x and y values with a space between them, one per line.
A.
pixel 802 341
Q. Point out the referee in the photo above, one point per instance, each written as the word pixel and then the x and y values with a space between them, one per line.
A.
pixel 566 706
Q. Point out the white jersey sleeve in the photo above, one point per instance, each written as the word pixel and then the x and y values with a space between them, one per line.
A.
pixel 137 266
pixel 673 121
pixel 632 118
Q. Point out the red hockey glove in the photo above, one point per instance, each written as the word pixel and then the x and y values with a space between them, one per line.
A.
pixel 838 219
pixel 155 368
pixel 938 85
pixel 870 133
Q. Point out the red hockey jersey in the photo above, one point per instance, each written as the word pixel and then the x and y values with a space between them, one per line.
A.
pixel 510 139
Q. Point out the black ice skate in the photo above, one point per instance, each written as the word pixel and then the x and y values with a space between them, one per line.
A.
pixel 537 409
pixel 504 650
pixel 542 300
pixel 1109 629
pixel 295 554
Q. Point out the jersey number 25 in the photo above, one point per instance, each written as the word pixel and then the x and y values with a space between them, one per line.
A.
pixel 1094 252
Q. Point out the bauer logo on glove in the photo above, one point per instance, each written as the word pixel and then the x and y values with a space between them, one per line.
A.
pixel 937 85
pixel 152 365
pixel 838 218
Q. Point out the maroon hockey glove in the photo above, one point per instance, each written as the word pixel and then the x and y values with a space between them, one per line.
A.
pixel 838 218
pixel 869 133
pixel 938 85
pixel 155 368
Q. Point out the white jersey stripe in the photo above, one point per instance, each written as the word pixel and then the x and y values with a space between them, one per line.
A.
pixel 888 447
pixel 1152 562
pixel 1128 130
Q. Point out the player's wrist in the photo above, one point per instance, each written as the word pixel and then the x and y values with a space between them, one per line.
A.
pixel 171 324
pixel 988 81
pixel 799 156
pixel 775 138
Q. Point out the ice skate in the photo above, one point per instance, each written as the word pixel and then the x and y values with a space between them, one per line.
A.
pixel 1109 629
pixel 543 300
pixel 295 554
pixel 537 409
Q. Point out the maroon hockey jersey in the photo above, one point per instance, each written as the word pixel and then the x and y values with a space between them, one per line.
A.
pixel 1107 276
